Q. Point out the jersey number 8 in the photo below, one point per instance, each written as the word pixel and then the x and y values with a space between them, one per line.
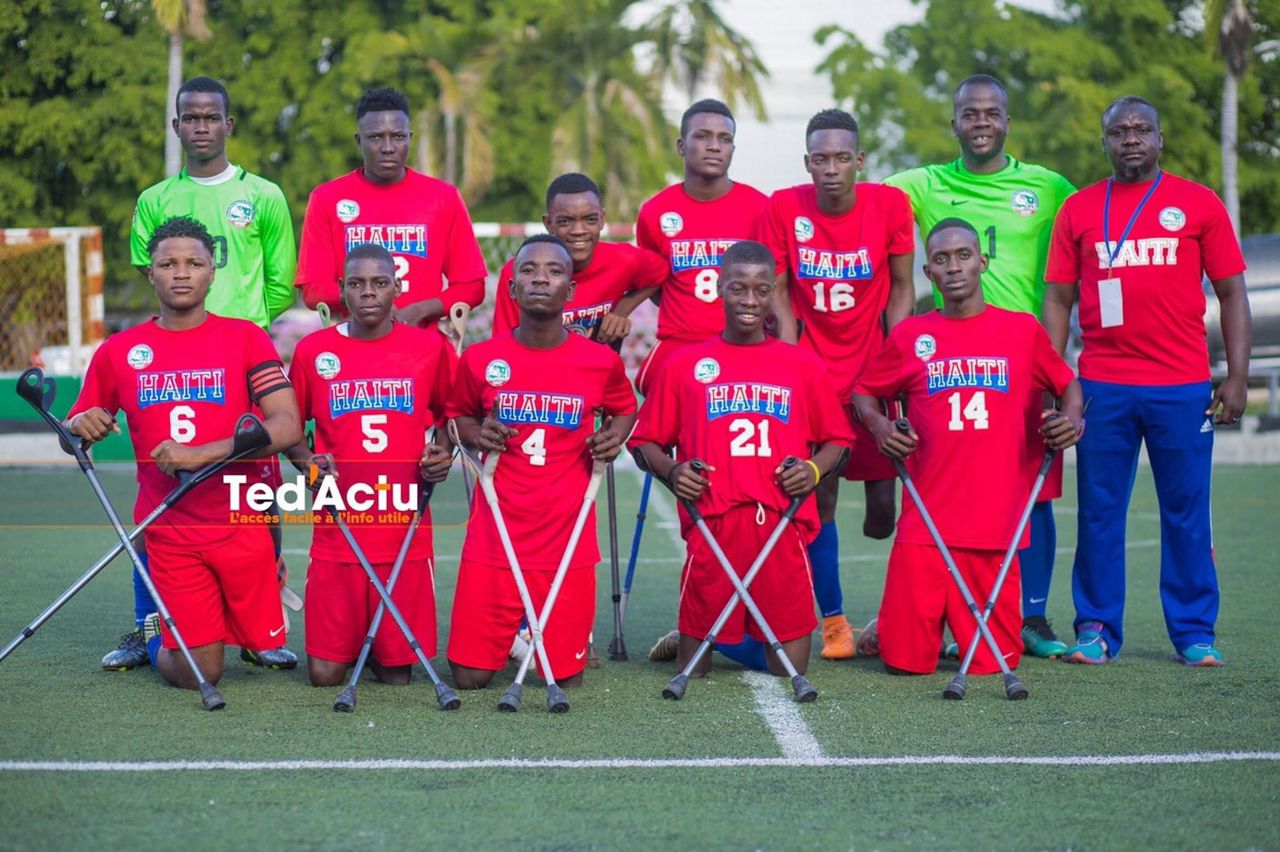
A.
pixel 704 284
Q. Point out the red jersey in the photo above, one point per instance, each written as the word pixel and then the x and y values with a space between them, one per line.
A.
pixel 967 383
pixel 372 402
pixel 422 221
pixel 615 269
pixel 691 236
pixel 190 387
pixel 837 270
pixel 550 396
pixel 742 409
pixel 1152 329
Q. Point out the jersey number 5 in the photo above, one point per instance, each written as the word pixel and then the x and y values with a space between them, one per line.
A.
pixel 975 411
pixel 375 439
pixel 749 439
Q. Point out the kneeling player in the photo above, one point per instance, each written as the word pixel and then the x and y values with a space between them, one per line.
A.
pixel 373 386
pixel 741 403
pixel 183 379
pixel 531 395
pixel 966 371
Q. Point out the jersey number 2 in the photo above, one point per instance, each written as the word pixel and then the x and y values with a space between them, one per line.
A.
pixel 749 439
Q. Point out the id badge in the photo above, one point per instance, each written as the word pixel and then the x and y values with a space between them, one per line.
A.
pixel 1111 302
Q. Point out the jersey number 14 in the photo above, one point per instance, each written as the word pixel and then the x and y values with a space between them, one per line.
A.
pixel 975 412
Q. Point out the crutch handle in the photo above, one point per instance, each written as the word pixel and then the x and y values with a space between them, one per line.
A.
pixel 902 425
pixel 796 502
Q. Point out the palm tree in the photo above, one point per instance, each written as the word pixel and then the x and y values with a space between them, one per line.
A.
pixel 694 44
pixel 1231 21
pixel 179 18
pixel 454 131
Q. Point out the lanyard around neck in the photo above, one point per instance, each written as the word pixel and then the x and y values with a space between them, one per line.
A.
pixel 1106 218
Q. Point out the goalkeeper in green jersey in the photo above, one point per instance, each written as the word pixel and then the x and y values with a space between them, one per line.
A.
pixel 1012 204
pixel 253 258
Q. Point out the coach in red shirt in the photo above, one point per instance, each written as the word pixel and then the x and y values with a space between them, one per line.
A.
pixel 1135 248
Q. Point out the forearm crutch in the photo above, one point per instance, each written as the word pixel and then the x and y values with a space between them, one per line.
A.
pixel 510 701
pixel 1013 687
pixel 445 696
pixel 346 700
pixel 804 690
pixel 635 549
pixel 955 689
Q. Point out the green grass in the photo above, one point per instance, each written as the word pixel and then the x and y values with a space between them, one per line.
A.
pixel 56 705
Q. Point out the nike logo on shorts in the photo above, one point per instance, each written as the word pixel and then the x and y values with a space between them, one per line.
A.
pixel 1037 600
pixel 277 631
pixel 580 654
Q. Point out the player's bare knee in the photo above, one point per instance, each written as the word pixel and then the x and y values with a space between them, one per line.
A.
pixel 688 647
pixel 881 508
pixel 469 678
pixel 392 675
pixel 827 495
pixel 326 672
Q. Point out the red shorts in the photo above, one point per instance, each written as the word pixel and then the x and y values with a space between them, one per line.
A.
pixel 487 611
pixel 866 462
pixel 920 596
pixel 224 593
pixel 783 589
pixel 340 604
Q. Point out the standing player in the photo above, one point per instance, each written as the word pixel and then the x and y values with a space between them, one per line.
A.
pixel 1135 247
pixel 690 224
pixel 183 379
pixel 843 251
pixel 743 402
pixel 1012 204
pixel 420 220
pixel 966 371
pixel 253 252
pixel 531 394
pixel 374 387
pixel 609 279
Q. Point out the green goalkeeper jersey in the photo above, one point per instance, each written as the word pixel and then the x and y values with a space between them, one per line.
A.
pixel 253 250
pixel 1012 210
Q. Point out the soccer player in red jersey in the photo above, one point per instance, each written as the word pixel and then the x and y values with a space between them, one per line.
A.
pixel 690 224
pixel 532 394
pixel 742 402
pixel 843 251
pixel 374 387
pixel 183 379
pixel 1136 248
pixel 966 371
pixel 609 279
pixel 421 220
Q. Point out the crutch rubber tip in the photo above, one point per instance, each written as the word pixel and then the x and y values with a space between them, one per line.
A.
pixel 618 650
pixel 805 693
pixel 955 689
pixel 211 698
pixel 446 697
pixel 346 702
pixel 556 700
pixel 675 689
pixel 1014 688
pixel 510 700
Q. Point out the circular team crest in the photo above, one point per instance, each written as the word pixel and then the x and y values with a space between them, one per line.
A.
pixel 804 229
pixel 578 328
pixel 140 356
pixel 240 214
pixel 498 373
pixel 671 224
pixel 707 370
pixel 328 365
pixel 1025 202
pixel 1172 219
pixel 348 210
pixel 926 347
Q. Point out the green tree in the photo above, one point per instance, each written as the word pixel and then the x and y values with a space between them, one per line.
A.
pixel 1061 71
pixel 179 18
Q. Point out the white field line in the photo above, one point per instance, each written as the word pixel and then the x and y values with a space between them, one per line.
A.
pixel 1066 760
pixel 779 712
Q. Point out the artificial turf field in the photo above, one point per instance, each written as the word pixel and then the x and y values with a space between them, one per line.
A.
pixel 1141 752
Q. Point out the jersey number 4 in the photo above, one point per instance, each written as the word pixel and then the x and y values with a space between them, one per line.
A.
pixel 749 439
pixel 975 412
